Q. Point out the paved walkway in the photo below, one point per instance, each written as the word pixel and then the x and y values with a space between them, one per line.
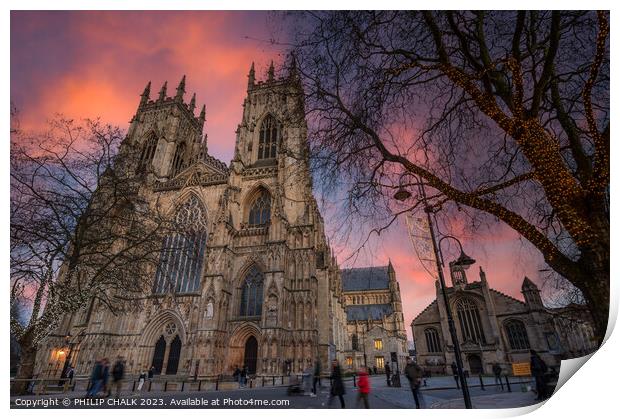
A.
pixel 492 401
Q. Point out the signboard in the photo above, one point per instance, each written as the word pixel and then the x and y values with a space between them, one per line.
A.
pixel 520 369
pixel 420 235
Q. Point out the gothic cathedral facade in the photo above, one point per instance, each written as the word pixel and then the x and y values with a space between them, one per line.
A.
pixel 263 288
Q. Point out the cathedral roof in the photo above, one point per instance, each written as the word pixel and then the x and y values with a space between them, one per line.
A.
pixel 361 279
pixel 368 311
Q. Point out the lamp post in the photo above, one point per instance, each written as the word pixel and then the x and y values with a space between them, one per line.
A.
pixel 401 195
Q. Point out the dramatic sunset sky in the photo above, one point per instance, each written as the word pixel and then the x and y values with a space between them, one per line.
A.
pixel 96 64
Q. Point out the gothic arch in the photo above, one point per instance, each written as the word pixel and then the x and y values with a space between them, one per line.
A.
pixel 155 327
pixel 257 191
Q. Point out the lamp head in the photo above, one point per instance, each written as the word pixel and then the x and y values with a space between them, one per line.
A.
pixel 464 261
pixel 402 194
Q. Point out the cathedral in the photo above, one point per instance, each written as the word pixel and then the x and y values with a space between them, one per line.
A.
pixel 493 327
pixel 260 286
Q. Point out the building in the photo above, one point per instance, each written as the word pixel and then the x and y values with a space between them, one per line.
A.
pixel 375 321
pixel 493 327
pixel 260 286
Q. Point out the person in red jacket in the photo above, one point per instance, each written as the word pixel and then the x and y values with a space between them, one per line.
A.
pixel 363 387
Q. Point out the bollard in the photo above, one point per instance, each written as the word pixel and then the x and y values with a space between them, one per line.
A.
pixel 282 380
pixel 508 385
pixel 199 385
pixel 263 381
pixel 133 387
pixel 166 386
pixel 183 386
pixel 481 382
pixel 273 380
pixel 354 382
pixel 458 385
pixel 251 382
pixel 217 383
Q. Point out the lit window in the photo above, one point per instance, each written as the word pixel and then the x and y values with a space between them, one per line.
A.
pixel 379 361
pixel 378 344
pixel 349 361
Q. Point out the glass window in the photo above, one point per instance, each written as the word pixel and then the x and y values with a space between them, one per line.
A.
pixel 260 212
pixel 378 345
pixel 380 362
pixel 148 152
pixel 349 361
pixel 517 335
pixel 182 255
pixel 269 136
pixel 252 293
pixel 432 340
pixel 178 160
pixel 469 319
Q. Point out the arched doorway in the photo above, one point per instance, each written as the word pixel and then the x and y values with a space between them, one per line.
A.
pixel 173 356
pixel 475 364
pixel 158 354
pixel 250 355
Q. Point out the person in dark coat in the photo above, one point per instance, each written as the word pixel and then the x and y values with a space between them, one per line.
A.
pixel 388 374
pixel 244 376
pixel 316 376
pixel 539 368
pixel 118 373
pixel 96 380
pixel 105 376
pixel 337 386
pixel 497 372
pixel 413 372
pixel 455 372
pixel 151 372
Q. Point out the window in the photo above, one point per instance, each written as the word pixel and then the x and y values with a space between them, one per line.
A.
pixel 181 259
pixel 268 138
pixel 349 361
pixel 469 319
pixel 260 212
pixel 517 335
pixel 252 293
pixel 148 152
pixel 354 342
pixel 378 345
pixel 379 361
pixel 432 340
pixel 178 160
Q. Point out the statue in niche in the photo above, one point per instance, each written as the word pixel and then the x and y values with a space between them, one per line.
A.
pixel 209 312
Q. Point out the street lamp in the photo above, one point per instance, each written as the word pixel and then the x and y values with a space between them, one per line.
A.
pixel 465 261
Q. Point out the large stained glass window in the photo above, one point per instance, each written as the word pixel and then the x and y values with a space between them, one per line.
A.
pixel 181 260
pixel 252 293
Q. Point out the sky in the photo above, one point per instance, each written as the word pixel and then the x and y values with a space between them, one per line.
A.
pixel 96 64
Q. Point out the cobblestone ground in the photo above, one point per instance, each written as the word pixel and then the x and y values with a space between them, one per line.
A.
pixel 438 393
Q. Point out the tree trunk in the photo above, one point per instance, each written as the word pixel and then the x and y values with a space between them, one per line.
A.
pixel 595 288
pixel 25 369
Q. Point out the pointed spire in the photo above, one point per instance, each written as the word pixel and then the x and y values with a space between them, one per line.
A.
pixel 180 89
pixel 251 77
pixel 192 104
pixel 163 91
pixel 271 72
pixel 201 118
pixel 146 94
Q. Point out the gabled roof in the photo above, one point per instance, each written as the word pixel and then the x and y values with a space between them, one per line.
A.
pixel 361 279
pixel 368 312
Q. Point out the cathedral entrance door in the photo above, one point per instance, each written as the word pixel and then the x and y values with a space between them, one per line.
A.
pixel 158 355
pixel 251 354
pixel 173 357
pixel 475 364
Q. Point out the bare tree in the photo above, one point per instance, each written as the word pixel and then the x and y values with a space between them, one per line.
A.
pixel 81 231
pixel 504 115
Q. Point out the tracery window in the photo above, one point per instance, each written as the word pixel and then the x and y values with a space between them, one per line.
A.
pixel 252 293
pixel 432 340
pixel 260 211
pixel 469 319
pixel 269 135
pixel 178 160
pixel 517 335
pixel 148 152
pixel 182 256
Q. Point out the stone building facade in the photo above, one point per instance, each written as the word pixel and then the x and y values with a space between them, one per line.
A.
pixel 493 327
pixel 375 321
pixel 260 286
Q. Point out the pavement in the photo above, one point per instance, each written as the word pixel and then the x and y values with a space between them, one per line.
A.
pixel 439 393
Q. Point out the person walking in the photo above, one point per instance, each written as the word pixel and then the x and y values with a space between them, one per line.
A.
pixel 317 376
pixel 118 373
pixel 151 372
pixel 455 374
pixel 413 372
pixel 244 376
pixel 497 372
pixel 337 386
pixel 363 387
pixel 141 380
pixel 388 374
pixel 105 376
pixel 96 380
pixel 539 368
pixel 237 375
